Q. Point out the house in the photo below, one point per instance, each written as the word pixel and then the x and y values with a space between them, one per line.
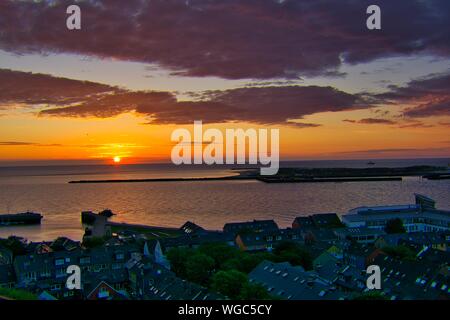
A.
pixel 195 240
pixel 345 277
pixel 327 266
pixel 64 244
pixel 48 271
pixel 435 240
pixel 326 220
pixel 192 228
pixel 267 240
pixel 150 281
pixel 405 280
pixel 303 223
pixel 254 226
pixel 360 256
pixel 321 220
pixel 104 291
pixel 292 282
pixel 351 279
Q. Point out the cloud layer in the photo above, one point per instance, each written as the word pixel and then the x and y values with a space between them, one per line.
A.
pixel 430 95
pixel 233 39
pixel 263 105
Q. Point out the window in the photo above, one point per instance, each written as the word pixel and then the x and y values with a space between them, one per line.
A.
pixel 120 256
pixel 85 260
pixel 60 272
pixel 59 262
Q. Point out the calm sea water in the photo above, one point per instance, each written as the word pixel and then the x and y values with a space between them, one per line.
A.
pixel 208 203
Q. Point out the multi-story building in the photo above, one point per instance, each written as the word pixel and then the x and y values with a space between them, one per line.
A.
pixel 419 217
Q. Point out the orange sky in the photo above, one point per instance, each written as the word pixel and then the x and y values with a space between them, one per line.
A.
pixel 334 90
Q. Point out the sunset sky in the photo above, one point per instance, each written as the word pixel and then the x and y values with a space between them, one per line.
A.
pixel 137 70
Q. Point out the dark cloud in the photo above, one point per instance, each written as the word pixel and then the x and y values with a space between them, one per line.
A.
pixel 21 143
pixel 415 124
pixel 264 105
pixel 393 150
pixel 32 88
pixel 430 96
pixel 440 107
pixel 370 121
pixel 233 39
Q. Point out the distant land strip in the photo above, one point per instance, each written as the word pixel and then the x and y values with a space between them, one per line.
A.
pixel 310 175
pixel 263 179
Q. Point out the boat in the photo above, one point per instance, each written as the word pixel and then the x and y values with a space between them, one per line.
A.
pixel 370 163
pixel 26 218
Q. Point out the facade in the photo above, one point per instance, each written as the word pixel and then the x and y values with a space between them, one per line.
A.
pixel 48 271
pixel 360 235
pixel 419 217
pixel 261 241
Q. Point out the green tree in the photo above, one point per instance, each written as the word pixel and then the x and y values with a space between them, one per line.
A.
pixel 17 245
pixel 254 292
pixel 293 253
pixel 371 295
pixel 229 283
pixel 220 252
pixel 17 294
pixel 199 268
pixel 178 258
pixel 400 252
pixel 246 262
pixel 395 226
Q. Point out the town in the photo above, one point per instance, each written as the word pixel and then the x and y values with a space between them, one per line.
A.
pixel 320 257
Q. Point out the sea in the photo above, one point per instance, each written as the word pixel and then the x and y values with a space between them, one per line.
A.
pixel 211 204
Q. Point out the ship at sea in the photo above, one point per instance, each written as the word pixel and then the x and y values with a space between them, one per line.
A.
pixel 26 218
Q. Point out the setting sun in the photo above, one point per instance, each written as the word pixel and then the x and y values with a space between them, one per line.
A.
pixel 117 159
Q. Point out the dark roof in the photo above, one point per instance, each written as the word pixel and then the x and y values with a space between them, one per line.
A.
pixel 326 220
pixel 255 226
pixel 420 238
pixel 162 284
pixel 293 283
pixel 194 240
pixel 191 228
pixel 303 222
pixel 255 239
pixel 402 279
pixel 63 243
pixel 116 294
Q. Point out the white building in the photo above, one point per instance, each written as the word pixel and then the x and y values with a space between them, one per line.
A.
pixel 421 216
